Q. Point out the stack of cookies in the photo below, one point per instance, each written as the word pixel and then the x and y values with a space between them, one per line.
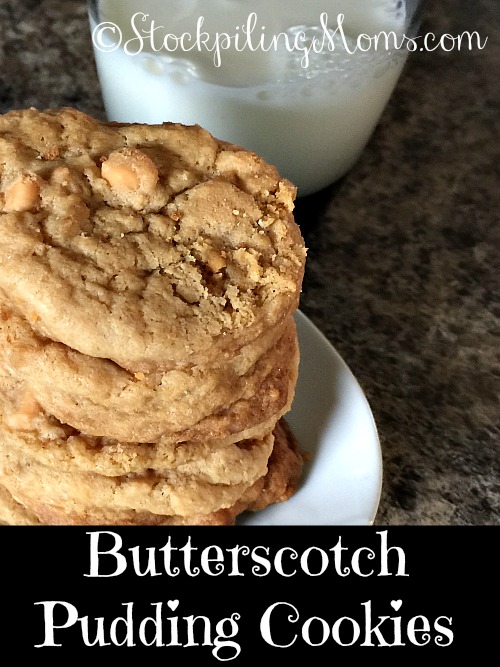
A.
pixel 148 280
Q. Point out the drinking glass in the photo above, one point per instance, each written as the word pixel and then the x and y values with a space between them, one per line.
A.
pixel 303 84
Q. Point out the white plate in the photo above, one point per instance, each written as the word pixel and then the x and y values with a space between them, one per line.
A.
pixel 332 421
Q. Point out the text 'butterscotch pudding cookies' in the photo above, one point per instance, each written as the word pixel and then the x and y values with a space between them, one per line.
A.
pixel 148 280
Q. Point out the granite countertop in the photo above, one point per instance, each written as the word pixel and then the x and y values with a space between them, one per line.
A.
pixel 403 266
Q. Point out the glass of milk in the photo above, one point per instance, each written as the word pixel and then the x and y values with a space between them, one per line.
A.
pixel 301 83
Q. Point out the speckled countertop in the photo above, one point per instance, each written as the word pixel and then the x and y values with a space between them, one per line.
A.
pixel 403 266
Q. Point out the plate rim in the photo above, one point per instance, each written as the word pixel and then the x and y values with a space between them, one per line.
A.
pixel 306 321
pixel 306 327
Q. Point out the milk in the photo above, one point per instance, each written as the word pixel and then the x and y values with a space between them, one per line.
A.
pixel 309 113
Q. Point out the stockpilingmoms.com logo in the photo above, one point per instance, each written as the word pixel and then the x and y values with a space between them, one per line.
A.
pixel 148 35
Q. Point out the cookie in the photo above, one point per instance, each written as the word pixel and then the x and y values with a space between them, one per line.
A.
pixel 39 438
pixel 277 485
pixel 13 513
pixel 152 246
pixel 100 398
pixel 148 352
pixel 285 468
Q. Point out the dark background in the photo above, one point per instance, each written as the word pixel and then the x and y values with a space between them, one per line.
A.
pixel 451 572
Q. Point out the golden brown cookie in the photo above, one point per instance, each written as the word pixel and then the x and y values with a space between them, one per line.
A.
pixel 159 492
pixel 100 398
pixel 148 351
pixel 31 436
pixel 277 485
pixel 284 469
pixel 152 246
pixel 13 513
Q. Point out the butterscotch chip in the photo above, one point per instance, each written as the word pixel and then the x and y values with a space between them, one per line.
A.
pixel 132 250
pixel 22 415
pixel 22 195
pixel 130 170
